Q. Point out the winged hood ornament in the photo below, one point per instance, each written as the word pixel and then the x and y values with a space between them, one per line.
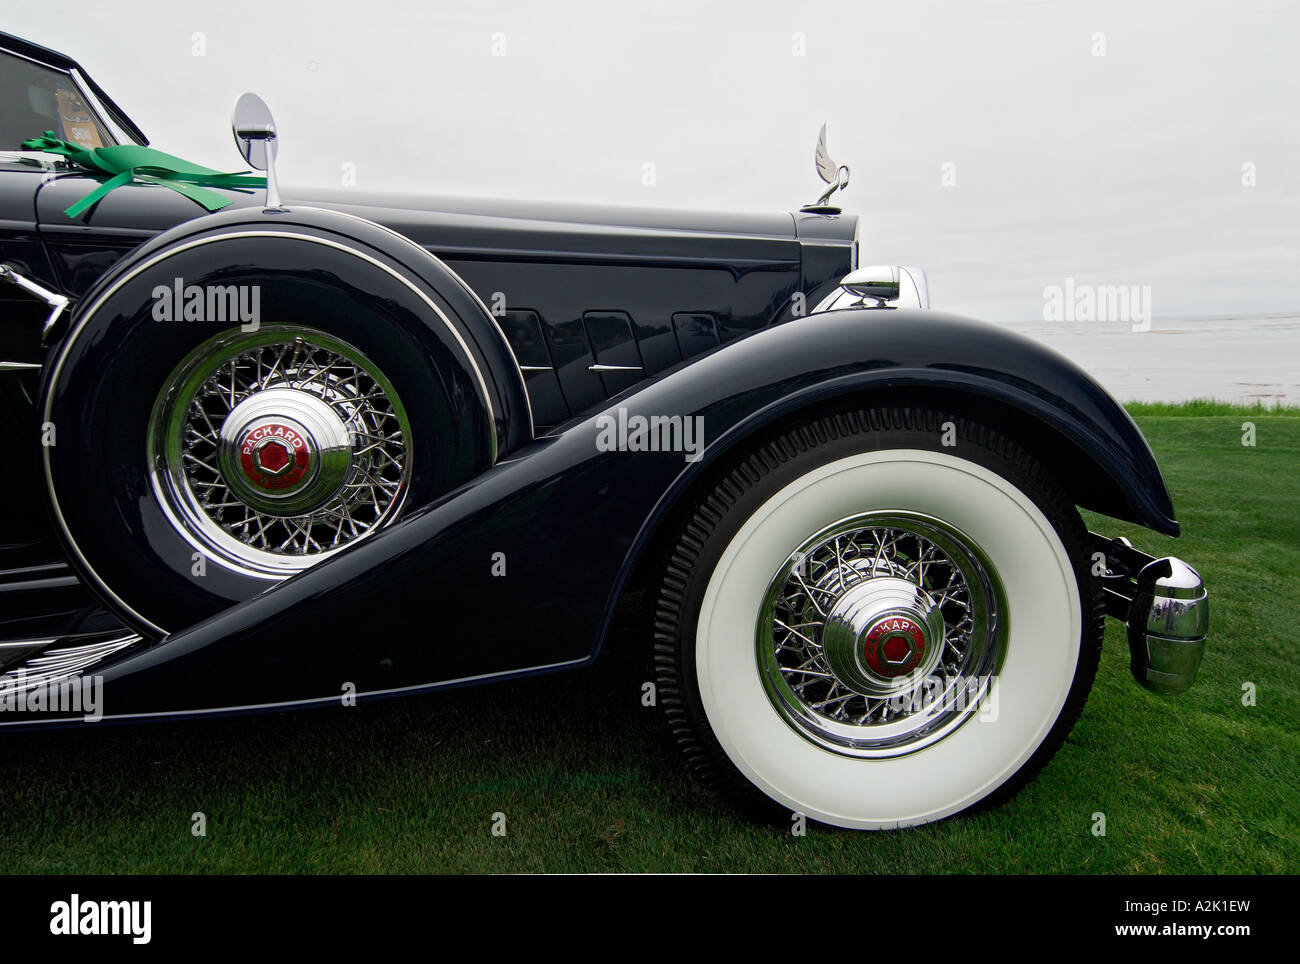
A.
pixel 836 175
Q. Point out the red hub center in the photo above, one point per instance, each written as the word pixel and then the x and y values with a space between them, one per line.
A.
pixel 274 456
pixel 894 646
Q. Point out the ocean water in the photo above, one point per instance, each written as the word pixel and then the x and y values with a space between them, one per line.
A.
pixel 1232 358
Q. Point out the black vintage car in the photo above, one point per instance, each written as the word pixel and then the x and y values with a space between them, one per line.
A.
pixel 304 451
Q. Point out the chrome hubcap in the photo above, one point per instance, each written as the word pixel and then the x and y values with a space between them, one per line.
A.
pixel 881 631
pixel 273 450
pixel 284 451
pixel 881 634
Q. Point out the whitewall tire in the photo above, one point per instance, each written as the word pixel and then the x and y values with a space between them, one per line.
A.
pixel 876 630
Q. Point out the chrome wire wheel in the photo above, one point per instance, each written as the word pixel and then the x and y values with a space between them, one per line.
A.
pixel 881 634
pixel 271 450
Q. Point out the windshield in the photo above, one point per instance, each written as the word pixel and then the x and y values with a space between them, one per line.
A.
pixel 35 99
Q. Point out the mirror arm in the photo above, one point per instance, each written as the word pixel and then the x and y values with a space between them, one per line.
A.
pixel 272 185
pixel 267 136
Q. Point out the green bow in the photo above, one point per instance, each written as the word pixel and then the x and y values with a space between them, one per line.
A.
pixel 129 162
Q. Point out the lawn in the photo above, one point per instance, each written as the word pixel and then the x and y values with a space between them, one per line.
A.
pixel 588 780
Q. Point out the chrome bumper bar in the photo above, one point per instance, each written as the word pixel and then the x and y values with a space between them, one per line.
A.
pixel 1165 607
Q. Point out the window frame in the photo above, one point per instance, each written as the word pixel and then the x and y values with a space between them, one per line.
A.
pixel 105 118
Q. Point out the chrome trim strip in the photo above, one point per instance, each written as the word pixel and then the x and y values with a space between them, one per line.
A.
pixel 64 662
pixel 48 161
pixel 320 700
pixel 33 60
pixel 615 368
pixel 18 366
pixel 29 643
pixel 163 256
pixel 104 116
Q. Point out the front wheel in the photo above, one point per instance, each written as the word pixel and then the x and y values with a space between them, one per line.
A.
pixel 878 619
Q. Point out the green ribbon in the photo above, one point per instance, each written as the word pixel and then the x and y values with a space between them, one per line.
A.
pixel 129 162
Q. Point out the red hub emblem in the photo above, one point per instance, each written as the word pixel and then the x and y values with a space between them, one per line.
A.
pixel 894 646
pixel 274 456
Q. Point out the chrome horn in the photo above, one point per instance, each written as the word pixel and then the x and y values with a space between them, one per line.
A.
pixel 880 286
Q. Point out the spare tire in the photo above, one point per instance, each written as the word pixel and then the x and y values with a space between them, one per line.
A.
pixel 251 393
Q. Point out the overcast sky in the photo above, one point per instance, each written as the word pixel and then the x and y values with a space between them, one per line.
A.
pixel 1100 141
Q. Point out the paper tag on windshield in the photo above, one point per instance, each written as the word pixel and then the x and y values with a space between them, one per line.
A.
pixel 78 122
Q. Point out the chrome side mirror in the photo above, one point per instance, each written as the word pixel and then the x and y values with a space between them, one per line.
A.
pixel 880 286
pixel 255 135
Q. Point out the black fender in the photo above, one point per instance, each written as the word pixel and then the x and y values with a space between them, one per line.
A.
pixel 488 344
pixel 375 289
pixel 519 571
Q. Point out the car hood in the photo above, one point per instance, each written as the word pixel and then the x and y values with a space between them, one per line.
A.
pixel 457 226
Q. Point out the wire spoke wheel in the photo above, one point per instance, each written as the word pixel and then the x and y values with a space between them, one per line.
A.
pixel 272 450
pixel 881 633
pixel 859 624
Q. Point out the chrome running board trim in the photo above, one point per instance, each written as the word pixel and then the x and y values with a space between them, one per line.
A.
pixel 60 659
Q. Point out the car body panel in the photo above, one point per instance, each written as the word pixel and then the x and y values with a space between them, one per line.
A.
pixel 347 624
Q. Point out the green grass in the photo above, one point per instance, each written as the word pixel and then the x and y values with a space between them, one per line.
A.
pixel 589 781
pixel 1202 407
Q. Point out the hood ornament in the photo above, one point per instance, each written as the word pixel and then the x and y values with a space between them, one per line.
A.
pixel 836 175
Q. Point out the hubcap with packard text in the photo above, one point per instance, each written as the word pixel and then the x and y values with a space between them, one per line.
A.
pixel 880 631
pixel 284 451
pixel 275 456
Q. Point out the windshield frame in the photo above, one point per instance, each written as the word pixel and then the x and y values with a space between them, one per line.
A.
pixel 108 115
